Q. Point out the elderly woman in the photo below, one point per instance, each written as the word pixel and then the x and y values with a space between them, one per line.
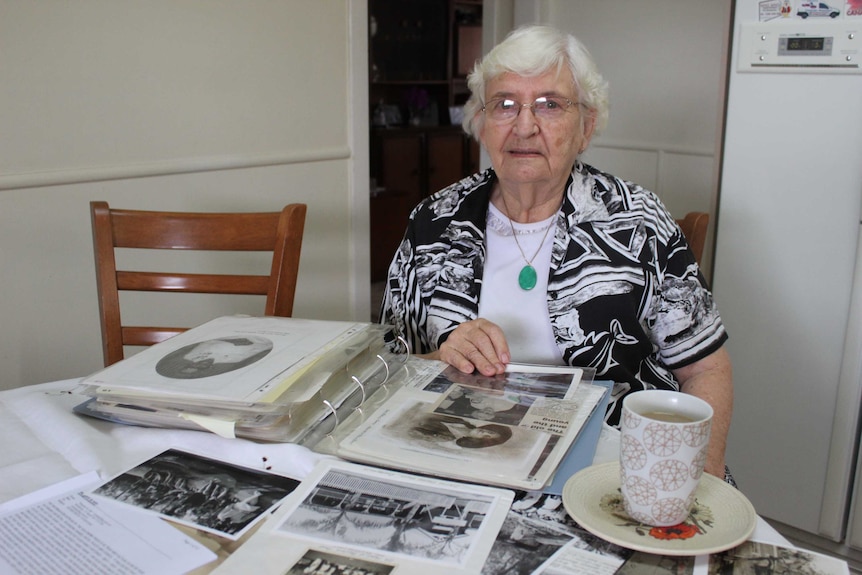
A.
pixel 545 259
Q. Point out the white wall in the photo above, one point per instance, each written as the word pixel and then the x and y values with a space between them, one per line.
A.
pixel 665 63
pixel 172 104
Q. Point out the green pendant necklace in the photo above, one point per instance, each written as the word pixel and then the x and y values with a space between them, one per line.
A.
pixel 528 277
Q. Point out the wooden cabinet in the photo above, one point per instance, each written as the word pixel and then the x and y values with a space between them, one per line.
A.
pixel 421 161
pixel 389 210
pixel 396 162
pixel 446 159
pixel 408 165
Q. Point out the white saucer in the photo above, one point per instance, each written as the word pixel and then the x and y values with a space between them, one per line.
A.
pixel 721 519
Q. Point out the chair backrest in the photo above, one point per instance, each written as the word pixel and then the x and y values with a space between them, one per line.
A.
pixel 276 232
pixel 694 226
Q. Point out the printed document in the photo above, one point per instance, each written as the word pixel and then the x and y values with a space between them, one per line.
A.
pixel 76 534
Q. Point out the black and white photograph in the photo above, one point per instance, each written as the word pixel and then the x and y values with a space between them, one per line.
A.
pixel 407 434
pixel 316 562
pixel 543 383
pixel 233 359
pixel 213 357
pixel 522 545
pixel 536 527
pixel 388 515
pixel 208 494
pixel 755 558
pixel 653 564
pixel 420 525
pixel 486 405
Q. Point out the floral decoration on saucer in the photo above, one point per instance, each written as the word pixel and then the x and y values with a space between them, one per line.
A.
pixel 699 521
pixel 721 518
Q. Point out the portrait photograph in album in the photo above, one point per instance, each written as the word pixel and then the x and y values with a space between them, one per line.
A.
pixel 511 430
pixel 238 359
pixel 407 433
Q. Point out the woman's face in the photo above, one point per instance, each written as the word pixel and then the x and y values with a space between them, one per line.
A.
pixel 483 433
pixel 482 402
pixel 529 150
pixel 218 351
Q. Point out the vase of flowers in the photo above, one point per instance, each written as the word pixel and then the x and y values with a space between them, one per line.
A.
pixel 418 106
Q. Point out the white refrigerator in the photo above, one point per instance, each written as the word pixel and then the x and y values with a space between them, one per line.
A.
pixel 788 265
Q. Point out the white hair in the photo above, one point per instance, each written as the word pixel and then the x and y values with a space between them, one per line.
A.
pixel 531 51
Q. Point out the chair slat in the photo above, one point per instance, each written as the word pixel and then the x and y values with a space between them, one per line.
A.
pixel 193 283
pixel 192 231
pixel 139 335
pixel 277 232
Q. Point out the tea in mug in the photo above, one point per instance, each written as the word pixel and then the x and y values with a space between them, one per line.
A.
pixel 668 416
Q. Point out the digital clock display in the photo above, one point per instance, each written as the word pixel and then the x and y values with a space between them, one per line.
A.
pixel 806 44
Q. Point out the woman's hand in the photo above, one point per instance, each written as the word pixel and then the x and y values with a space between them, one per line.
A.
pixel 476 345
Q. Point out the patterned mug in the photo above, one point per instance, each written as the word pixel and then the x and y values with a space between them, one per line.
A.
pixel 663 442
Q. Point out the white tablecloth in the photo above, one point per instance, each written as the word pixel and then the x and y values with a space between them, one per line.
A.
pixel 43 442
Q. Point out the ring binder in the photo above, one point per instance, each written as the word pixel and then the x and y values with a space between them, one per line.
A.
pixel 367 374
pixel 362 387
pixel 349 389
pixel 386 366
pixel 334 414
pixel 406 347
pixel 316 373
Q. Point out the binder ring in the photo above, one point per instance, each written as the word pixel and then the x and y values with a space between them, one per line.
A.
pixel 406 346
pixel 361 386
pixel 334 414
pixel 386 367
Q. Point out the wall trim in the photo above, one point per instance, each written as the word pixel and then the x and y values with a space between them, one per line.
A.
pixel 658 148
pixel 168 168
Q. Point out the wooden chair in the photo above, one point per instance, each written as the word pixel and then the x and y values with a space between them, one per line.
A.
pixel 277 232
pixel 694 226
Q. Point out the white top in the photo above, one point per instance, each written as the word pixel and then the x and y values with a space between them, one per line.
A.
pixel 522 314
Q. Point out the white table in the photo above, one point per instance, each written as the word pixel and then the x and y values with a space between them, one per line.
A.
pixel 42 442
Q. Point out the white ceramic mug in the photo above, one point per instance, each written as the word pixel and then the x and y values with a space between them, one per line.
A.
pixel 663 442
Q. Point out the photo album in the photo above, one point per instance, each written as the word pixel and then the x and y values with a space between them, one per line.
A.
pixel 338 388
pixel 265 378
pixel 511 430
pixel 429 459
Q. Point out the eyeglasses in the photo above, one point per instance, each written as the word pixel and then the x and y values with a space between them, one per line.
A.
pixel 544 108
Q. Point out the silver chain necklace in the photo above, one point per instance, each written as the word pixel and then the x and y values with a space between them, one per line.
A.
pixel 528 277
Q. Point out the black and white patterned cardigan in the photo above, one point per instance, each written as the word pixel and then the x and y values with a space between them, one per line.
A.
pixel 625 294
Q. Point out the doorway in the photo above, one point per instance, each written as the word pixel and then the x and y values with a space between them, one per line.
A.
pixel 420 53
